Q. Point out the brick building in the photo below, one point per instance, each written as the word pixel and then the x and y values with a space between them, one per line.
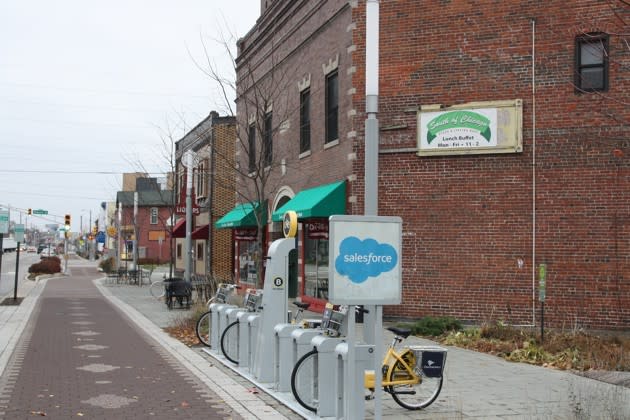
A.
pixel 212 140
pixel 504 144
pixel 150 226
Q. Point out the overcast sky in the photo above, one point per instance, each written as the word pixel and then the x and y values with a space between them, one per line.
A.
pixel 88 90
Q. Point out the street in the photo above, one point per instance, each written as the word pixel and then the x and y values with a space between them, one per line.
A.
pixel 7 277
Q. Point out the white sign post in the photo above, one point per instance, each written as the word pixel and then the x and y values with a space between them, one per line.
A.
pixel 364 269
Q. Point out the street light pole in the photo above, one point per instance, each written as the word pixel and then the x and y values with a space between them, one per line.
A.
pixel 188 158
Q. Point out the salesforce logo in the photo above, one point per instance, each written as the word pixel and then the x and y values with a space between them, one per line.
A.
pixel 359 259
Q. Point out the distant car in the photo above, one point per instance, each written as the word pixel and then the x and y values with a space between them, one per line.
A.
pixel 47 252
pixel 31 249
pixel 41 247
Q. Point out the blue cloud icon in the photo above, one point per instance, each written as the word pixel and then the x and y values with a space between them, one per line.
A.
pixel 359 259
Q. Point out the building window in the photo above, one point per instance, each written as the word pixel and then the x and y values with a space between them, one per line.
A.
pixel 591 56
pixel 200 178
pixel 200 251
pixel 251 141
pixel 248 255
pixel 332 107
pixel 316 259
pixel 154 215
pixel 179 251
pixel 268 140
pixel 305 121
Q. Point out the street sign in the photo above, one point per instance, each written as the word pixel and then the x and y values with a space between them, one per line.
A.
pixel 40 211
pixel 19 233
pixel 4 221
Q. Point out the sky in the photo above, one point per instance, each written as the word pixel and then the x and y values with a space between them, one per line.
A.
pixel 90 90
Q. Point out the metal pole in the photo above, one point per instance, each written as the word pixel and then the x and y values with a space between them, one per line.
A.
pixel 135 230
pixel 17 266
pixel 189 175
pixel 119 234
pixel 373 319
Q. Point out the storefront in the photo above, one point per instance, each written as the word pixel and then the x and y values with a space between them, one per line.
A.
pixel 313 207
pixel 247 252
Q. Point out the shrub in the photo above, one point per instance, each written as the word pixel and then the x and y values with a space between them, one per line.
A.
pixel 108 264
pixel 433 326
pixel 48 265
pixel 148 261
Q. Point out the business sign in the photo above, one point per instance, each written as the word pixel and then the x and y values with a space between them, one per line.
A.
pixel 365 260
pixel 4 222
pixel 474 128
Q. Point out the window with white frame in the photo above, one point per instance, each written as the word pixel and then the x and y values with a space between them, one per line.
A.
pixel 154 215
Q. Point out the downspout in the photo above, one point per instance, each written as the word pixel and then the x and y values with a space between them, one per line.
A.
pixel 209 270
pixel 533 172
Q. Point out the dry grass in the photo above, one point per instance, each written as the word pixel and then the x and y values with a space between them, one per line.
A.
pixel 576 350
pixel 184 328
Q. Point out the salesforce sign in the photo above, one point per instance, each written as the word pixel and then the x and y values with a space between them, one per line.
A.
pixel 365 260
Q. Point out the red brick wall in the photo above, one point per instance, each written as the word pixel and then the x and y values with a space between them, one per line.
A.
pixel 305 36
pixel 468 220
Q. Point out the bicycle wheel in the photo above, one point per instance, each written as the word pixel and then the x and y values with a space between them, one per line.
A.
pixel 304 381
pixel 203 328
pixel 417 395
pixel 157 289
pixel 229 342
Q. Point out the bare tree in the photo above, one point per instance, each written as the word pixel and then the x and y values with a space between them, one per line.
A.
pixel 259 91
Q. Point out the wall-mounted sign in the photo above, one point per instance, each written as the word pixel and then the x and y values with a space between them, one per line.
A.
pixel 365 260
pixel 473 128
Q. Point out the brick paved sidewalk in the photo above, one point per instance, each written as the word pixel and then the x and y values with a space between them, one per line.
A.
pixel 79 356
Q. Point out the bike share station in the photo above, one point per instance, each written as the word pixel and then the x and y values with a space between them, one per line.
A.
pixel 365 269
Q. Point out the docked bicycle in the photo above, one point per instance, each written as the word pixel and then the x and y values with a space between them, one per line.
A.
pixel 412 375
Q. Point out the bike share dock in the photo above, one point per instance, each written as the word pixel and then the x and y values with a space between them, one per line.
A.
pixel 325 368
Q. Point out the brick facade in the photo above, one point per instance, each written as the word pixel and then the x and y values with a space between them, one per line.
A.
pixel 469 223
pixel 213 141
pixel 475 227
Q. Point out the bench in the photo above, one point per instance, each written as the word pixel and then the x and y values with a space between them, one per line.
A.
pixel 177 290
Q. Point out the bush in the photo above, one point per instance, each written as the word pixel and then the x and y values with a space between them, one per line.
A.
pixel 148 261
pixel 432 326
pixel 48 265
pixel 108 264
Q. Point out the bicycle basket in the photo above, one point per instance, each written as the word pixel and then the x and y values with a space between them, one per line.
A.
pixel 222 294
pixel 431 359
pixel 252 301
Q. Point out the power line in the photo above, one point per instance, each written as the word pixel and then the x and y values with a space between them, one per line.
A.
pixel 73 172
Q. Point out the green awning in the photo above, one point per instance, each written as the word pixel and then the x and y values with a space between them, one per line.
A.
pixel 322 201
pixel 243 215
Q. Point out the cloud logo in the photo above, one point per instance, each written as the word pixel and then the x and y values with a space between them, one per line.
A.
pixel 359 259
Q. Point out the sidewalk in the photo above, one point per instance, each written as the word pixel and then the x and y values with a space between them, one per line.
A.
pixel 477 385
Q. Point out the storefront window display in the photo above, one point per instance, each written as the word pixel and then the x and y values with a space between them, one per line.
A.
pixel 248 255
pixel 316 258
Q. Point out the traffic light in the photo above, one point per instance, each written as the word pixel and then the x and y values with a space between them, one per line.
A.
pixel 67 222
pixel 29 211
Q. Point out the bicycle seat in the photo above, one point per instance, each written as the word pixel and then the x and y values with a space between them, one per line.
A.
pixel 403 332
pixel 302 305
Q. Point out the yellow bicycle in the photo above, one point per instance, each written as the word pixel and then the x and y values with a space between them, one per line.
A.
pixel 412 376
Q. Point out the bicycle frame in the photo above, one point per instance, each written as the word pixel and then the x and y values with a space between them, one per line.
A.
pixel 394 360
